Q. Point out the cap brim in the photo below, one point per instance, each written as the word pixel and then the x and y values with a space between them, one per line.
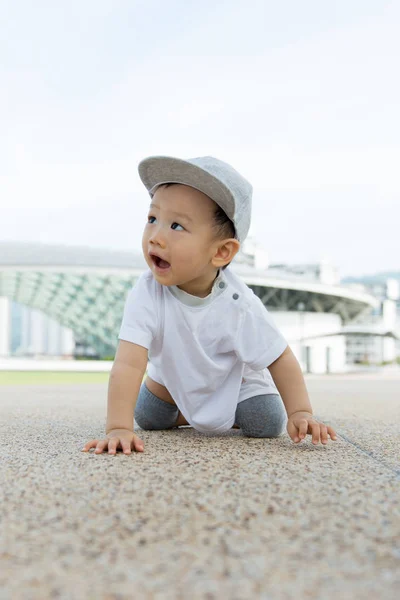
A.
pixel 156 170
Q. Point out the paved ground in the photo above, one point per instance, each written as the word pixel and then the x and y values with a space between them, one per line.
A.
pixel 199 516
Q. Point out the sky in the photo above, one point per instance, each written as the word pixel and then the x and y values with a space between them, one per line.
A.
pixel 302 98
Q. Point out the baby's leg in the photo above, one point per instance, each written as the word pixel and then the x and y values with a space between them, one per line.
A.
pixel 156 411
pixel 261 416
pixel 161 392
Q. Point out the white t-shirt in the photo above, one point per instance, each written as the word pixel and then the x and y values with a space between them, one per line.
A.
pixel 210 353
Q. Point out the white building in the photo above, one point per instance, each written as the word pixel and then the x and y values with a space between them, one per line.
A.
pixel 321 271
pixel 30 333
pixel 79 293
pixel 374 339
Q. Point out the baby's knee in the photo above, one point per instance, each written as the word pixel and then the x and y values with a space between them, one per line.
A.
pixel 262 416
pixel 264 430
pixel 153 413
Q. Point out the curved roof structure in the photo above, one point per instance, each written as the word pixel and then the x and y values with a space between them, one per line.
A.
pixel 84 288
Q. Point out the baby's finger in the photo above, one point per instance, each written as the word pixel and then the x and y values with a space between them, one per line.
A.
pixel 292 431
pixel 112 445
pixel 332 433
pixel 89 445
pixel 126 446
pixel 315 427
pixel 138 444
pixel 100 446
pixel 324 434
pixel 303 428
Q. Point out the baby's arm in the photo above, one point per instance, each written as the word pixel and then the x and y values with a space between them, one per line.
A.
pixel 123 389
pixel 124 384
pixel 289 380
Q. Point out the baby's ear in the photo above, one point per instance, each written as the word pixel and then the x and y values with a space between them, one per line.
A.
pixel 225 252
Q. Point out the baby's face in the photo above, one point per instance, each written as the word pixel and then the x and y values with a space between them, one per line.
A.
pixel 179 232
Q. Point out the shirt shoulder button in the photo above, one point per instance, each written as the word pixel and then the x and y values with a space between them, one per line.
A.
pixel 235 296
pixel 221 284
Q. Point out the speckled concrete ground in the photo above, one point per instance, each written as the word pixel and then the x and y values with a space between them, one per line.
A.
pixel 195 516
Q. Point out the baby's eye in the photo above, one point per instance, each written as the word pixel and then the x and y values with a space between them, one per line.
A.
pixel 176 224
pixel 148 219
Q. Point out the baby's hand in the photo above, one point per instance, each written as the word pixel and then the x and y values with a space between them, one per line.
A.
pixel 300 423
pixel 123 438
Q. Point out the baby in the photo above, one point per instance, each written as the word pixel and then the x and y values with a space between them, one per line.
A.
pixel 216 358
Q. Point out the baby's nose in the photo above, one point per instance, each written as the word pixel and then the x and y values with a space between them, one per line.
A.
pixel 158 238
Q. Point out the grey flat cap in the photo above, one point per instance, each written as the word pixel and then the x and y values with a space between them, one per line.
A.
pixel 215 178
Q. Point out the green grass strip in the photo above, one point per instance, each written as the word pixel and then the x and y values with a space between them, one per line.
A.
pixel 50 377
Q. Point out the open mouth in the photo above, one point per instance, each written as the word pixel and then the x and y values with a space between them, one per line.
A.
pixel 159 262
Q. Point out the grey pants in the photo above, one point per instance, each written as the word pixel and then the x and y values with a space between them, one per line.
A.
pixel 260 416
